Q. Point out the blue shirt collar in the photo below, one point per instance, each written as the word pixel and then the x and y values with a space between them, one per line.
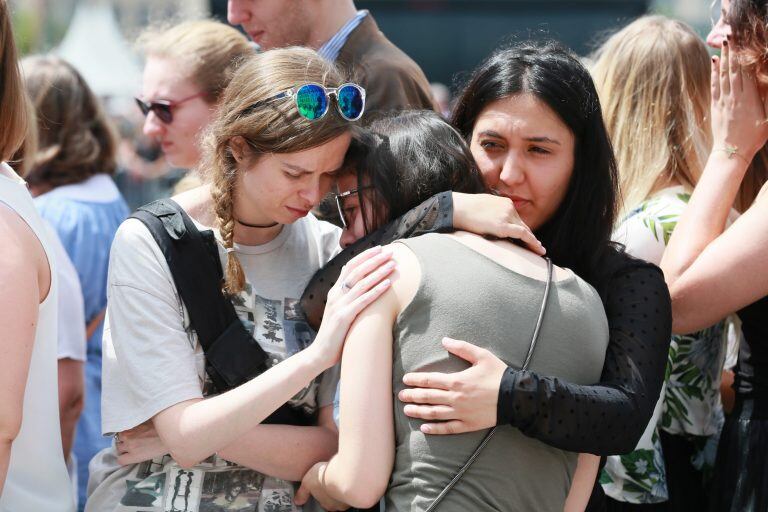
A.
pixel 330 50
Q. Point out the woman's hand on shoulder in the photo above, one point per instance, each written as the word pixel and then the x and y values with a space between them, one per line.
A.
pixel 360 283
pixel 487 214
pixel 739 114
pixel 454 403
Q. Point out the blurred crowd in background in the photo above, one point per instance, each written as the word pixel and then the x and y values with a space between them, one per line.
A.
pixel 112 67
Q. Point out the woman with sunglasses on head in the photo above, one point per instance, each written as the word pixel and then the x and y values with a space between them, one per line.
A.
pixel 271 153
pixel 567 196
pixel 713 270
pixel 70 174
pixel 455 285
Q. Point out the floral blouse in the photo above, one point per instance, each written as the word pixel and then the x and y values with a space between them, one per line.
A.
pixel 690 400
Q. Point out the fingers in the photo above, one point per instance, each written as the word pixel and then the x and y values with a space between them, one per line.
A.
pixel 445 428
pixel 302 495
pixel 525 235
pixel 351 274
pixel 715 79
pixel 426 396
pixel 360 259
pixel 428 380
pixel 372 279
pixel 765 109
pixel 725 81
pixel 363 301
pixel 429 412
pixel 464 350
pixel 734 70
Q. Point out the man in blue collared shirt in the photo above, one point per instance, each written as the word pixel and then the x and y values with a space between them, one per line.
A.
pixel 340 33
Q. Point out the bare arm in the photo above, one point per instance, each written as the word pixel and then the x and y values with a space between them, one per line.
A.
pixel 728 275
pixel 264 448
pixel 583 482
pixel 739 129
pixel 195 429
pixel 25 277
pixel 359 473
pixel 71 394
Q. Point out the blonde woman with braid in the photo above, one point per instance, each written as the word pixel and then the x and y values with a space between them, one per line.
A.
pixel 269 160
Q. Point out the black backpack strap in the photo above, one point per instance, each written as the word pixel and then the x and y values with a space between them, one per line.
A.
pixel 232 355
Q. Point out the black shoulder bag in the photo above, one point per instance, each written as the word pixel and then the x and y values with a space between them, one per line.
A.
pixel 232 356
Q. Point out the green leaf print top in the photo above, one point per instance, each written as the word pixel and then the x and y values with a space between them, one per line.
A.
pixel 690 399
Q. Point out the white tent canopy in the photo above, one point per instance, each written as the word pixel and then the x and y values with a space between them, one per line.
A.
pixel 95 46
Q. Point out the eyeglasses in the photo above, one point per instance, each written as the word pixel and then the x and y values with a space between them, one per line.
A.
pixel 346 223
pixel 312 100
pixel 163 109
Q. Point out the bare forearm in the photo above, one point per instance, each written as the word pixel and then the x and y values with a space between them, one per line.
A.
pixel 69 419
pixel 71 391
pixel 283 451
pixel 583 482
pixel 706 214
pixel 194 430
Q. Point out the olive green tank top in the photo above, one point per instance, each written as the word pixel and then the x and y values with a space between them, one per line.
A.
pixel 468 296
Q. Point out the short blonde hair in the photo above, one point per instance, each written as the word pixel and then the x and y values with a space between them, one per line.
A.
pixel 653 81
pixel 209 51
pixel 13 128
pixel 267 126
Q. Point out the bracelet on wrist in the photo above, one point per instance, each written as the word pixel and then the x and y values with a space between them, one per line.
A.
pixel 732 151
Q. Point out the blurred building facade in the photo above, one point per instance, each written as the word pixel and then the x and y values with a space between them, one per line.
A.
pixel 446 37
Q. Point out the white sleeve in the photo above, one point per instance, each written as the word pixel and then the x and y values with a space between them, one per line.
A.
pixel 150 362
pixel 71 323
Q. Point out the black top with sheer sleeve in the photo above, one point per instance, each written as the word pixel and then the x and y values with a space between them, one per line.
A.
pixel 606 418
pixel 609 417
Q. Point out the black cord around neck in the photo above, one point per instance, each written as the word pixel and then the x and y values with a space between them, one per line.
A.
pixel 262 226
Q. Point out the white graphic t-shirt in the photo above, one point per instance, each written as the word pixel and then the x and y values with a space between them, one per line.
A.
pixel 152 360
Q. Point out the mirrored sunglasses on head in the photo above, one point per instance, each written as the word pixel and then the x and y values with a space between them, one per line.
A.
pixel 313 100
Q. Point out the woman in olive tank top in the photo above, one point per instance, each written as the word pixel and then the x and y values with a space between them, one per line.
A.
pixel 448 285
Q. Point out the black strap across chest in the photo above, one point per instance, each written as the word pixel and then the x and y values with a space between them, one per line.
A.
pixel 232 355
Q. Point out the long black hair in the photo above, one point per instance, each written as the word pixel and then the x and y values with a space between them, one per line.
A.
pixel 407 157
pixel 578 233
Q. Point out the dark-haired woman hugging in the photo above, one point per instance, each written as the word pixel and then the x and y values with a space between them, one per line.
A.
pixel 449 285
pixel 533 120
